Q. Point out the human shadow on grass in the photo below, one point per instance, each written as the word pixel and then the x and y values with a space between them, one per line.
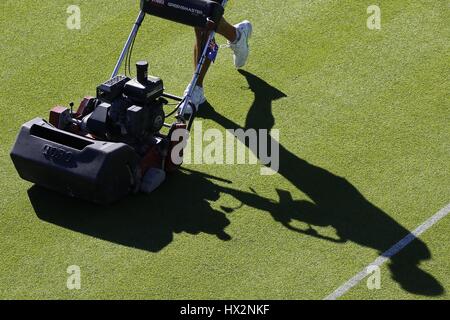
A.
pixel 335 201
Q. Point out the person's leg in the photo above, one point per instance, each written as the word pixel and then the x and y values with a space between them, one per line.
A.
pixel 237 37
pixel 226 30
pixel 201 37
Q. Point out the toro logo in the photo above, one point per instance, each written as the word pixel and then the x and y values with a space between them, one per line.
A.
pixel 57 154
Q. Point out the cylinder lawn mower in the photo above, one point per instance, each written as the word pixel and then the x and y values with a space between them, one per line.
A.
pixel 113 144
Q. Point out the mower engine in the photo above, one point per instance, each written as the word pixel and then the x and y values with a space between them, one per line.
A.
pixel 106 149
pixel 125 110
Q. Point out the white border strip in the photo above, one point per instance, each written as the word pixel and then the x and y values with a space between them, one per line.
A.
pixel 390 253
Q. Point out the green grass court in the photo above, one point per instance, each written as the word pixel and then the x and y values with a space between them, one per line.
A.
pixel 364 156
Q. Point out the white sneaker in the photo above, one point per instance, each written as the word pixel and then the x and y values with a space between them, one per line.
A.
pixel 197 99
pixel 198 96
pixel 241 47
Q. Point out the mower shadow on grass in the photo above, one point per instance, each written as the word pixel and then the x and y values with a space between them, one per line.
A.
pixel 336 202
pixel 142 222
pixel 149 222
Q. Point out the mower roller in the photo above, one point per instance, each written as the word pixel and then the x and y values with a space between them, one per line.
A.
pixel 113 145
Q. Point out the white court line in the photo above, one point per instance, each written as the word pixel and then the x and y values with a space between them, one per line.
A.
pixel 390 253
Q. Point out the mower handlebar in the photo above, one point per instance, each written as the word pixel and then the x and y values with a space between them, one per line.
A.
pixel 195 13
